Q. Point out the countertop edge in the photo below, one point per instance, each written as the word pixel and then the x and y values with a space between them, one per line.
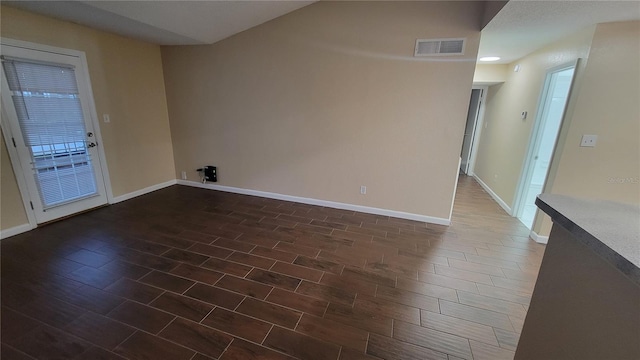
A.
pixel 592 242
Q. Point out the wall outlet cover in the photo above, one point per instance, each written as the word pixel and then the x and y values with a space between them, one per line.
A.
pixel 588 140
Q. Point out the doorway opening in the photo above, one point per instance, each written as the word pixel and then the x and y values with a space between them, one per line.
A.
pixel 472 130
pixel 551 111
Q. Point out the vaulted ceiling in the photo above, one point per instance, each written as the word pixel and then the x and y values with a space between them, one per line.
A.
pixel 521 27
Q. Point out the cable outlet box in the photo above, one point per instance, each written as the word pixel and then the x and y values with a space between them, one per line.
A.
pixel 210 173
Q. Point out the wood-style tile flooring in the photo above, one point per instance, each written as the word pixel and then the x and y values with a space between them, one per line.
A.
pixel 187 273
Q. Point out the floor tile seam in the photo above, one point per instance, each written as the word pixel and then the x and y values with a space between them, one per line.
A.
pixel 299 278
pixel 507 301
pixel 366 345
pixel 198 232
pixel 180 344
pixel 239 304
pixel 474 355
pixel 39 293
pixel 156 286
pixel 457 334
pixel 83 264
pixel 270 291
pixel 516 329
pixel 252 316
pixel 102 347
pixel 120 258
pixel 250 254
pixel 152 300
pixel 38 326
pixel 489 259
pixel 208 314
pixel 479 272
pixel 510 323
pixel 479 308
pixel 196 282
pixel 499 298
pixel 169 249
pixel 234 291
pixel 192 285
pixel 436 285
pixel 431 348
pixel 302 312
pixel 528 292
pixel 233 338
pixel 498 339
pixel 420 346
pixel 532 253
pixel 174 317
pixel 84 309
pixel 231 261
pixel 62 330
pixel 18 350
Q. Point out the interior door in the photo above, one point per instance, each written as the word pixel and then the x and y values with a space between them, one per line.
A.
pixel 48 118
pixel 551 110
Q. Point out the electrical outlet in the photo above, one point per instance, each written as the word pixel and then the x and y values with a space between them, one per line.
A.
pixel 588 140
pixel 184 175
pixel 363 189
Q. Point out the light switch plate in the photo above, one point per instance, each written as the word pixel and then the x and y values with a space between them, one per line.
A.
pixel 589 140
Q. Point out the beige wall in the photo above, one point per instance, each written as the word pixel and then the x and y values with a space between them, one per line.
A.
pixel 505 136
pixel 128 85
pixel 486 74
pixel 607 105
pixel 328 98
pixel 11 208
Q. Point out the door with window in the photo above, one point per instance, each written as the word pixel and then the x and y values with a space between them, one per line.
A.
pixel 47 115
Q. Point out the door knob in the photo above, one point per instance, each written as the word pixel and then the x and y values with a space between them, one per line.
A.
pixel 90 134
pixel 92 145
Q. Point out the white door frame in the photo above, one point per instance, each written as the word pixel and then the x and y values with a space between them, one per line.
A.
pixel 16 165
pixel 527 171
pixel 473 153
pixel 19 172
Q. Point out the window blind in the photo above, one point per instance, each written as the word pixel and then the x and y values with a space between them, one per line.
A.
pixel 50 116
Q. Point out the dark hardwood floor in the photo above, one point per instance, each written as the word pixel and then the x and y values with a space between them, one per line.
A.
pixel 187 273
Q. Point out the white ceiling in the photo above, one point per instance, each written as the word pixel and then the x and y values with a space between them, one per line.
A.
pixel 180 22
pixel 523 26
pixel 520 28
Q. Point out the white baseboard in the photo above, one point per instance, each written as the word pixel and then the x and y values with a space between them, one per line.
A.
pixel 310 201
pixel 538 238
pixel 495 196
pixel 15 231
pixel 146 190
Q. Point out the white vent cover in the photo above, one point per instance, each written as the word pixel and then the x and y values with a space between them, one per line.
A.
pixel 439 47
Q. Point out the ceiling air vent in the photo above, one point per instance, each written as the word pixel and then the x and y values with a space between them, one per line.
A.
pixel 439 47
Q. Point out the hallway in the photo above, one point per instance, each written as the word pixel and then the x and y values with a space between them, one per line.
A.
pixel 187 273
